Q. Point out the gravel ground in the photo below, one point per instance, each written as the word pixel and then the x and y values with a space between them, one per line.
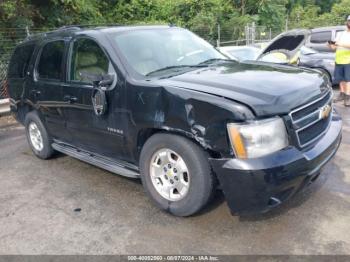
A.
pixel 64 206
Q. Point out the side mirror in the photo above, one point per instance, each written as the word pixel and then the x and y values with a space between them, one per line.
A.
pixel 101 83
pixel 99 101
pixel 104 82
pixel 99 80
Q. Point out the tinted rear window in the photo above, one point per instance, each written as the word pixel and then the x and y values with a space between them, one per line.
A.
pixel 50 63
pixel 20 61
pixel 321 37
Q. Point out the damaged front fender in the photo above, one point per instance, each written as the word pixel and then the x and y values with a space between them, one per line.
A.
pixel 199 116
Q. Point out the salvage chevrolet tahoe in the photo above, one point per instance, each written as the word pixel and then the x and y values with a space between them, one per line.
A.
pixel 161 104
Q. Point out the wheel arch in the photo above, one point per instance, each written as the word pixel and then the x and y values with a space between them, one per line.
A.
pixel 146 133
pixel 324 70
pixel 22 111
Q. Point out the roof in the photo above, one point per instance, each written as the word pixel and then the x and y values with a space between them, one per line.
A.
pixel 69 31
pixel 328 28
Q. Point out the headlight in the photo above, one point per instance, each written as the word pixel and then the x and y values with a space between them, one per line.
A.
pixel 258 138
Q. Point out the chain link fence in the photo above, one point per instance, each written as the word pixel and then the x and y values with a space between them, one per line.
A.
pixel 248 35
pixel 236 36
pixel 9 38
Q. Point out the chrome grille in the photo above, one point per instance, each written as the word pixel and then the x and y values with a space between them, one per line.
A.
pixel 311 121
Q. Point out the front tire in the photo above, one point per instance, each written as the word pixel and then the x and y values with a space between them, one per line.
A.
pixel 38 138
pixel 176 174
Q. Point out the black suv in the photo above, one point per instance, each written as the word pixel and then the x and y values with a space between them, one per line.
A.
pixel 160 103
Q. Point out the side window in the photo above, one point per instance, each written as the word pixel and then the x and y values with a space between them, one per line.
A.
pixel 20 61
pixel 88 57
pixel 321 37
pixel 50 63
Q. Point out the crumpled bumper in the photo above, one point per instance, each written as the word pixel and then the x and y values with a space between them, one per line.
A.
pixel 258 185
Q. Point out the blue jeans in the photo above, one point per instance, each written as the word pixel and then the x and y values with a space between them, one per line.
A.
pixel 342 73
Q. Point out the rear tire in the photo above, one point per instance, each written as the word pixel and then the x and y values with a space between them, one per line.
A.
pixel 171 161
pixel 38 138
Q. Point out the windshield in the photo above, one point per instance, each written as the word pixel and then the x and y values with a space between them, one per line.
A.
pixel 151 50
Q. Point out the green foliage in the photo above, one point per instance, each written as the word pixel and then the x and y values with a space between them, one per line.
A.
pixel 272 13
pixel 311 14
pixel 304 17
pixel 198 15
pixel 16 13
pixel 340 11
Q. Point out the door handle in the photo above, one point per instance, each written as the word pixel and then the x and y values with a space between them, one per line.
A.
pixel 70 99
pixel 35 93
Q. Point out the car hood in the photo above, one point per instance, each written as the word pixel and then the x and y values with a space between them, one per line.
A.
pixel 267 89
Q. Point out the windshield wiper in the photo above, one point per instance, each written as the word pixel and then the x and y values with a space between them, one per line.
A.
pixel 214 60
pixel 174 67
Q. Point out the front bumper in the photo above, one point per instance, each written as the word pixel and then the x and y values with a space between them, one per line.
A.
pixel 258 185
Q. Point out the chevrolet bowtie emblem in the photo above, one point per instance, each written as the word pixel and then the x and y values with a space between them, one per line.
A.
pixel 325 112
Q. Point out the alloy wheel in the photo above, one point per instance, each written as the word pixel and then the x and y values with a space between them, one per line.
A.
pixel 35 136
pixel 169 174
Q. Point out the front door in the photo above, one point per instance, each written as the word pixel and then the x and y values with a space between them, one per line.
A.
pixel 97 133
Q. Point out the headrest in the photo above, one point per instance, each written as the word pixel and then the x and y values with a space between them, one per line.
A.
pixel 86 59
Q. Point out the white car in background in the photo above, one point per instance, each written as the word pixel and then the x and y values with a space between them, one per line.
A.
pixel 252 53
pixel 241 53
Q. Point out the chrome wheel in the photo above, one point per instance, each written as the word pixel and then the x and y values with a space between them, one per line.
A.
pixel 35 137
pixel 169 175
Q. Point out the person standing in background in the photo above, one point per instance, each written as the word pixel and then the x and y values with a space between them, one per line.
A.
pixel 342 64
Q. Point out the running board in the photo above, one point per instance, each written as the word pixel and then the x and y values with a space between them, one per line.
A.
pixel 124 169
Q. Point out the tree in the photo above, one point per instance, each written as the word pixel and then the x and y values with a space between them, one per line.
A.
pixel 340 12
pixel 16 13
pixel 311 15
pixel 304 17
pixel 272 13
pixel 198 15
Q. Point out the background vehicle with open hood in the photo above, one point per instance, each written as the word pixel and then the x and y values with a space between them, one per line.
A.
pixel 298 47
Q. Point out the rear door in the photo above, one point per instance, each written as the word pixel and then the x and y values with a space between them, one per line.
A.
pixel 46 91
pixel 18 71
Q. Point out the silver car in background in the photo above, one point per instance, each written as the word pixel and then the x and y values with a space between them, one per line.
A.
pixel 298 47
pixel 323 61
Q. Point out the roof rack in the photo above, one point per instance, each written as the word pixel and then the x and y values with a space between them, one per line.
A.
pixel 60 29
pixel 79 27
pixel 75 28
pixel 69 27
